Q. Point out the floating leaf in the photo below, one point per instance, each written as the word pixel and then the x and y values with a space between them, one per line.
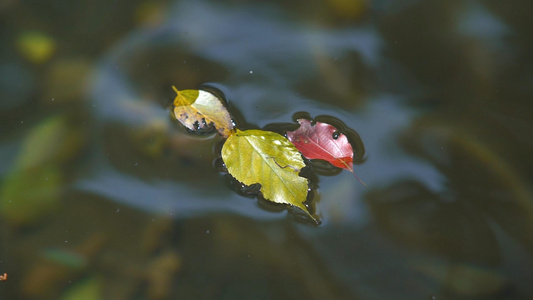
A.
pixel 269 159
pixel 198 109
pixel 322 141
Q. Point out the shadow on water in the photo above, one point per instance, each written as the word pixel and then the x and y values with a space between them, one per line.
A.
pixel 102 193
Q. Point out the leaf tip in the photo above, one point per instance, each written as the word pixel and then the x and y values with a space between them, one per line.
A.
pixel 302 214
pixel 175 89
pixel 359 179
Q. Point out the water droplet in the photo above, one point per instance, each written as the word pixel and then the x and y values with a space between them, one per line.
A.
pixel 335 135
pixel 251 72
pixel 118 210
pixel 207 231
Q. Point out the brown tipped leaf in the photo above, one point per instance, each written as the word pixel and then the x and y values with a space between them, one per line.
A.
pixel 197 109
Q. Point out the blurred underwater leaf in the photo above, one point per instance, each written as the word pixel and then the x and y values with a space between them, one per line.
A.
pixel 46 277
pixel 87 289
pixel 28 195
pixel 33 187
pixel 52 141
pixel 36 46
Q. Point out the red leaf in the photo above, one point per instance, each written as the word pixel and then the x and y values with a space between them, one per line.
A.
pixel 318 142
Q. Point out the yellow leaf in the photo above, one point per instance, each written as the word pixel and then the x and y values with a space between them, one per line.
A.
pixel 197 109
pixel 465 280
pixel 269 159
pixel 36 46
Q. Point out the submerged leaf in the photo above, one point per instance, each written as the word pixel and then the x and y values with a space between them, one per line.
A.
pixel 322 141
pixel 198 109
pixel 28 195
pixel 269 159
pixel 35 46
pixel 52 141
pixel 88 289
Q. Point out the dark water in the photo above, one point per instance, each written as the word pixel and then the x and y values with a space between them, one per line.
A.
pixel 104 196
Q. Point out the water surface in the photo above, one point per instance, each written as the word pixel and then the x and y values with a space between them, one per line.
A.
pixel 103 195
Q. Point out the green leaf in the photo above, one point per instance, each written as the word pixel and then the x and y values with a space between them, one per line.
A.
pixel 88 289
pixel 196 109
pixel 52 141
pixel 269 159
pixel 28 195
pixel 36 46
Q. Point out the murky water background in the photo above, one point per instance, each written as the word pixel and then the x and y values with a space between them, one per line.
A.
pixel 104 196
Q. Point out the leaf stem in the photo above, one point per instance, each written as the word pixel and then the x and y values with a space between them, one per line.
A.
pixel 176 90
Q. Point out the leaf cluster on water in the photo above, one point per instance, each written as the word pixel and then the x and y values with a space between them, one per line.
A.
pixel 263 157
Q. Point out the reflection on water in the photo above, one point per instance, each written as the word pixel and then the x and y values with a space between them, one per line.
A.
pixel 103 195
